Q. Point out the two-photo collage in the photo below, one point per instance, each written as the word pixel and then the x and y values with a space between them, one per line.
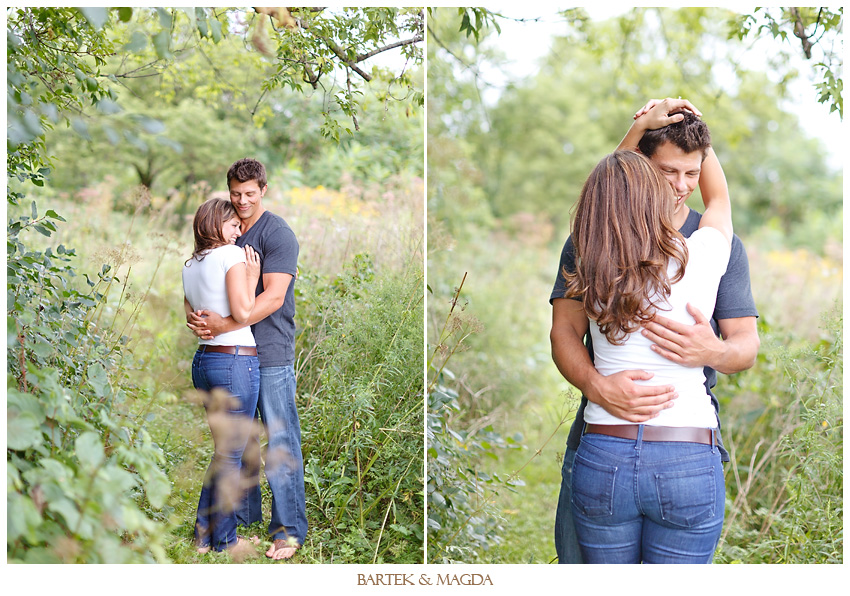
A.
pixel 408 287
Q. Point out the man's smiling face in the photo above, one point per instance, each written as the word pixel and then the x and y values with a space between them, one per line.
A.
pixel 246 197
pixel 681 170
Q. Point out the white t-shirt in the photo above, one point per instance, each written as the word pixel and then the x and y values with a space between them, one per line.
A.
pixel 708 256
pixel 205 288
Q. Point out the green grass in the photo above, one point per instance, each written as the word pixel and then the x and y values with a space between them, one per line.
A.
pixel 358 358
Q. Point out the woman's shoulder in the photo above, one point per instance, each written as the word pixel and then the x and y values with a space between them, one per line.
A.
pixel 708 244
pixel 707 236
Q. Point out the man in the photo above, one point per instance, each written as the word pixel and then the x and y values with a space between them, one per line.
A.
pixel 679 144
pixel 273 326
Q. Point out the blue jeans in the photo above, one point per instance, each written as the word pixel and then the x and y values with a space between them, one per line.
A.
pixel 230 422
pixel 284 463
pixel 566 543
pixel 639 501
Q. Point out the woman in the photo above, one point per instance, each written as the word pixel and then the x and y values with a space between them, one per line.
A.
pixel 650 492
pixel 223 277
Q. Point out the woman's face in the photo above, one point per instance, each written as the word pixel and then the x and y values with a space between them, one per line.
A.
pixel 231 229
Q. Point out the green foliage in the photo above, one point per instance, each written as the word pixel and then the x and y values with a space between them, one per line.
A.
pixel 361 380
pixel 531 151
pixel 814 27
pixel 463 522
pixel 784 497
pixel 84 478
pixel 310 45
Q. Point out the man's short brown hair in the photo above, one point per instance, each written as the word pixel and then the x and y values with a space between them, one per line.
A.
pixel 689 135
pixel 247 169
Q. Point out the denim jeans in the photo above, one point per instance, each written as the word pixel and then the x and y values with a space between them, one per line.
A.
pixel 230 424
pixel 284 463
pixel 566 543
pixel 639 501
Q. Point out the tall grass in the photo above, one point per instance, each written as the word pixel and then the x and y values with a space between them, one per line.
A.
pixel 782 419
pixel 784 483
pixel 359 355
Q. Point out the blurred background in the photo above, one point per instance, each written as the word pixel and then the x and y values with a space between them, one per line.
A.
pixel 121 122
pixel 521 105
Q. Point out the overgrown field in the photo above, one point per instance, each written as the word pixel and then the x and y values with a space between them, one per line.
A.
pixel 135 460
pixel 499 413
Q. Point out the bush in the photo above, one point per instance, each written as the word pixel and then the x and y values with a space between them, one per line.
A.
pixel 84 483
pixel 784 498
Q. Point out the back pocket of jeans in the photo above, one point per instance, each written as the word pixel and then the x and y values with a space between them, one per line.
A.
pixel 593 487
pixel 687 497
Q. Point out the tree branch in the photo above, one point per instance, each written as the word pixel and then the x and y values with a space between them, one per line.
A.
pixel 352 64
pixel 398 44
pixel 800 31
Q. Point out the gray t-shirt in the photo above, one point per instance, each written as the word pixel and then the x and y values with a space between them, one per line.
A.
pixel 734 300
pixel 277 246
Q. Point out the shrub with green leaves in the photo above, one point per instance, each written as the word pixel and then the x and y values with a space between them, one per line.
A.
pixel 786 436
pixel 83 477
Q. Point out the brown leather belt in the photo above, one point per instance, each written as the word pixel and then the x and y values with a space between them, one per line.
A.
pixel 243 350
pixel 686 434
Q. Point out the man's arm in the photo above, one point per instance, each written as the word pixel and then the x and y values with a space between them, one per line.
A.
pixel 618 394
pixel 697 345
pixel 207 324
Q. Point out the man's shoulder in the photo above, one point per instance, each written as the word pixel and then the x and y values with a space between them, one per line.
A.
pixel 272 227
pixel 273 222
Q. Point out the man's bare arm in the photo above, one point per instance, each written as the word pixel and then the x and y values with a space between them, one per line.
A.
pixel 209 324
pixel 697 345
pixel 618 394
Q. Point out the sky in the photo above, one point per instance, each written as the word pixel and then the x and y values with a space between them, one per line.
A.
pixel 531 40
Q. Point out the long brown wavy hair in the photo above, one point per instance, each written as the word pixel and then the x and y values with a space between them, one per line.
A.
pixel 208 224
pixel 624 238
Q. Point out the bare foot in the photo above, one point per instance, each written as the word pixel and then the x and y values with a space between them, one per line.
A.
pixel 202 550
pixel 282 549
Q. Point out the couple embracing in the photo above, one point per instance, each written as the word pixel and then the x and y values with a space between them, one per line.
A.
pixel 239 300
pixel 649 283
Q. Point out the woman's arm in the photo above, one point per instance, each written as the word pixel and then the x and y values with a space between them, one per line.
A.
pixel 715 196
pixel 241 281
pixel 653 116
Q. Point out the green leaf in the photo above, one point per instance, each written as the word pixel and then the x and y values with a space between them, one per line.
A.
pixel 23 430
pixel 22 517
pixel 81 127
pixel 125 14
pixel 89 449
pixel 107 106
pixel 215 30
pixel 138 42
pixel 177 147
pixel 157 488
pixel 136 141
pixel 67 510
pixel 152 126
pixel 165 18
pixel 34 211
pixel 160 43
pixel 95 15
pixel 52 214
pixel 111 135
pixel 98 380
